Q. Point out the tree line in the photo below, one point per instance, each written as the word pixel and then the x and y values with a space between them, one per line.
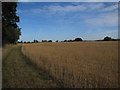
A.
pixel 36 41
pixel 75 40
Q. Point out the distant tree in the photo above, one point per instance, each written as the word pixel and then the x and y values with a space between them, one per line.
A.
pixel 65 40
pixel 24 41
pixel 35 41
pixel 78 39
pixel 70 40
pixel 28 42
pixel 10 29
pixel 50 41
pixel 107 39
pixel 57 41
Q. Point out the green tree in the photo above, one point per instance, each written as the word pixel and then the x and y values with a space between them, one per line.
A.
pixel 107 39
pixel 57 41
pixel 50 41
pixel 78 39
pixel 10 29
pixel 65 40
pixel 35 41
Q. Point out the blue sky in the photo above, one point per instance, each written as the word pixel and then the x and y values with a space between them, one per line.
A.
pixel 67 20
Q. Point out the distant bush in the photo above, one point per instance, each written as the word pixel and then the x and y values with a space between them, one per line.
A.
pixel 21 42
pixel 35 41
pixel 65 40
pixel 28 42
pixel 78 39
pixel 50 41
pixel 107 39
pixel 57 41
pixel 70 40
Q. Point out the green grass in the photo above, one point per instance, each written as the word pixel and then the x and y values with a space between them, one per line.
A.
pixel 19 72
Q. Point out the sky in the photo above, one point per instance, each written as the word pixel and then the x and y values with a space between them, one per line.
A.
pixel 66 0
pixel 67 20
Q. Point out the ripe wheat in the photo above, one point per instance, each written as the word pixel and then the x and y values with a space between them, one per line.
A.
pixel 77 64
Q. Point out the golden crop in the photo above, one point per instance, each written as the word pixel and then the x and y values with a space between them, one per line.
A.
pixel 77 64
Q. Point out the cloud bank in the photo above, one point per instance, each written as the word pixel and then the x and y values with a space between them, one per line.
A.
pixel 95 14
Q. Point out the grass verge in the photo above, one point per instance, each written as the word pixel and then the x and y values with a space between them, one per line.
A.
pixel 19 72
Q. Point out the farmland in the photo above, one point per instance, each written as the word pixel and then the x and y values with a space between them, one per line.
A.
pixel 18 72
pixel 77 64
pixel 59 44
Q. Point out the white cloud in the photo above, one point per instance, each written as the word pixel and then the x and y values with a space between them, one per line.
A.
pixel 99 7
pixel 111 31
pixel 106 19
pixel 94 6
pixel 55 9
pixel 100 34
pixel 77 7
pixel 110 8
pixel 106 16
pixel 66 8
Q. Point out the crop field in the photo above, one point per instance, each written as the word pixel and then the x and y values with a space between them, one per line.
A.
pixel 77 64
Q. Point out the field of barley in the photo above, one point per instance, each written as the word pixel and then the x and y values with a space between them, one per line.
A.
pixel 77 64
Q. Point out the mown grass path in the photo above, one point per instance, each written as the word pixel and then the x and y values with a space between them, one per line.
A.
pixel 19 72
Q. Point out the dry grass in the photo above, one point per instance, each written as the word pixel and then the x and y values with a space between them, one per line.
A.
pixel 77 64
pixel 6 50
pixel 19 72
pixel 0 67
pixel 0 56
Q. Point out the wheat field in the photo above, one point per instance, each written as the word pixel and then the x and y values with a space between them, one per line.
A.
pixel 77 64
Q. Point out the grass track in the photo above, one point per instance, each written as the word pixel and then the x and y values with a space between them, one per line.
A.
pixel 19 72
